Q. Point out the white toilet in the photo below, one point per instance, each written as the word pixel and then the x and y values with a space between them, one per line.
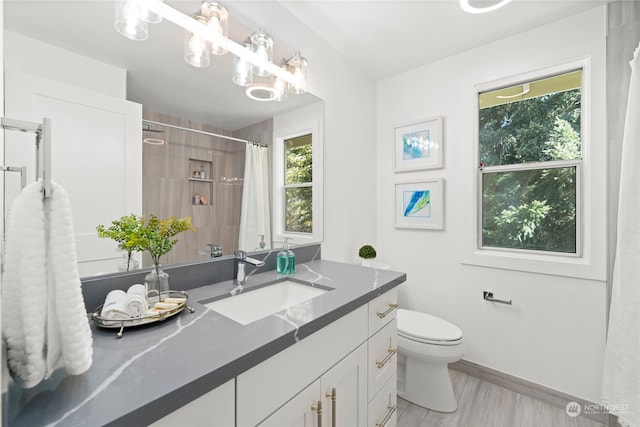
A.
pixel 426 345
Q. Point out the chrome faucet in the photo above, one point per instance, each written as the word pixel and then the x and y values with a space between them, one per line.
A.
pixel 239 273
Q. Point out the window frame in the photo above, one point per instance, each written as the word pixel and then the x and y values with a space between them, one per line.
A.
pixel 279 210
pixel 552 164
pixel 592 264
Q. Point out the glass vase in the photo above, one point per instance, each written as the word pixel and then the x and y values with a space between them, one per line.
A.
pixel 128 263
pixel 157 285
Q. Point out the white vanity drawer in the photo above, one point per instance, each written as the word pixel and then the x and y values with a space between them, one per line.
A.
pixel 382 310
pixel 382 411
pixel 382 358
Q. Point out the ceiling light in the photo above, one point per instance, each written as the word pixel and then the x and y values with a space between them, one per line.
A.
pixel 129 19
pixel 297 66
pixel 464 4
pixel 196 47
pixel 263 47
pixel 218 18
pixel 261 92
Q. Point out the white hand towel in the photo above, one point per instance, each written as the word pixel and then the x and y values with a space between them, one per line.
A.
pixel 24 287
pixel 44 319
pixel 136 304
pixel 66 305
pixel 115 306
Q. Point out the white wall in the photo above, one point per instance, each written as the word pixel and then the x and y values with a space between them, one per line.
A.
pixel 35 57
pixel 554 333
pixel 349 133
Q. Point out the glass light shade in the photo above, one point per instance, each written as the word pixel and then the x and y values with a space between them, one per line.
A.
pixel 263 47
pixel 242 75
pixel 218 22
pixel 298 68
pixel 196 48
pixel 279 85
pixel 129 20
pixel 152 17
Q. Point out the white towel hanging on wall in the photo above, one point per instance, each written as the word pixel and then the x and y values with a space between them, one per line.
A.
pixel 44 319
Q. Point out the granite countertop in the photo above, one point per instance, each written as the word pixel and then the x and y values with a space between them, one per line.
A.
pixel 153 370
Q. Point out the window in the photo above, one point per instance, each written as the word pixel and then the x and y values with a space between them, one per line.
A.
pixel 297 184
pixel 530 150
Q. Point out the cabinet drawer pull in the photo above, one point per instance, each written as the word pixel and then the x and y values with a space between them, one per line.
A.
pixel 390 353
pixel 387 311
pixel 332 395
pixel 392 409
pixel 317 408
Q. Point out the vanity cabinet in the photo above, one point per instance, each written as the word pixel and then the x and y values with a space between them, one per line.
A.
pixel 336 399
pixel 355 355
pixel 213 408
pixel 347 368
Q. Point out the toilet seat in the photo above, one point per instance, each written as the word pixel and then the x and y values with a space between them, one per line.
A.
pixel 427 329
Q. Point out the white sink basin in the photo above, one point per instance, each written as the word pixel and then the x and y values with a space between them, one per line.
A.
pixel 256 304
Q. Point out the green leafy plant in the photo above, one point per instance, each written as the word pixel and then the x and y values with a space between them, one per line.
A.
pixel 153 234
pixel 367 252
pixel 126 231
pixel 156 234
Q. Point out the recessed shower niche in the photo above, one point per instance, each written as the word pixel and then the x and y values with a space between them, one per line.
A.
pixel 200 181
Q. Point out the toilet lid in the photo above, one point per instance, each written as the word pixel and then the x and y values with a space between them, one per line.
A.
pixel 425 327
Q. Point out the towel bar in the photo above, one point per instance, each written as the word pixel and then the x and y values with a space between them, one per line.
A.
pixel 488 296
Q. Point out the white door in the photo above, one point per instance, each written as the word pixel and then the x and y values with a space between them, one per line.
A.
pixel 96 156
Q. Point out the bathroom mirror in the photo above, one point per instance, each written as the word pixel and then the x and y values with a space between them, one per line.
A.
pixel 157 76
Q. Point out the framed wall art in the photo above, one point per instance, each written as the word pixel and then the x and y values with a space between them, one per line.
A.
pixel 419 145
pixel 420 204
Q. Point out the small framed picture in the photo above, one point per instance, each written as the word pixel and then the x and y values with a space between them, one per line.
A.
pixel 419 145
pixel 420 204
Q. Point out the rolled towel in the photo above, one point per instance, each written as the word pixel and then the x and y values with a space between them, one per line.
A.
pixel 115 306
pixel 136 304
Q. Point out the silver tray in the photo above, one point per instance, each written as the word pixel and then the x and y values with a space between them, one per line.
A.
pixel 154 317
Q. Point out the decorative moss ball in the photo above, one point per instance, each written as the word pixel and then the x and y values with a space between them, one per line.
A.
pixel 367 252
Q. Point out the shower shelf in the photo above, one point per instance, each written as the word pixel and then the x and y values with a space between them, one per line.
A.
pixel 201 180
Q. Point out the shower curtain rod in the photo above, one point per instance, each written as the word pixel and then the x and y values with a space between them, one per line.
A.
pixel 202 132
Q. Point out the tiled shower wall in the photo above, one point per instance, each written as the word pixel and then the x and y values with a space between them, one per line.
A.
pixel 167 190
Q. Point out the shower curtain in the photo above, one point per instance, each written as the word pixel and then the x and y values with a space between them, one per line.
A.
pixel 255 218
pixel 621 380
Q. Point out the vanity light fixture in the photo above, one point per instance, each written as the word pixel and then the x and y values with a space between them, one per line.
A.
pixel 263 47
pixel 130 21
pixel 464 4
pixel 218 18
pixel 242 75
pixel 197 48
pixel 251 58
pixel 297 66
pixel 279 85
pixel 152 17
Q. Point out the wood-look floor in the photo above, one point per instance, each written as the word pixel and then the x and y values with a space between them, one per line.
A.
pixel 482 404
